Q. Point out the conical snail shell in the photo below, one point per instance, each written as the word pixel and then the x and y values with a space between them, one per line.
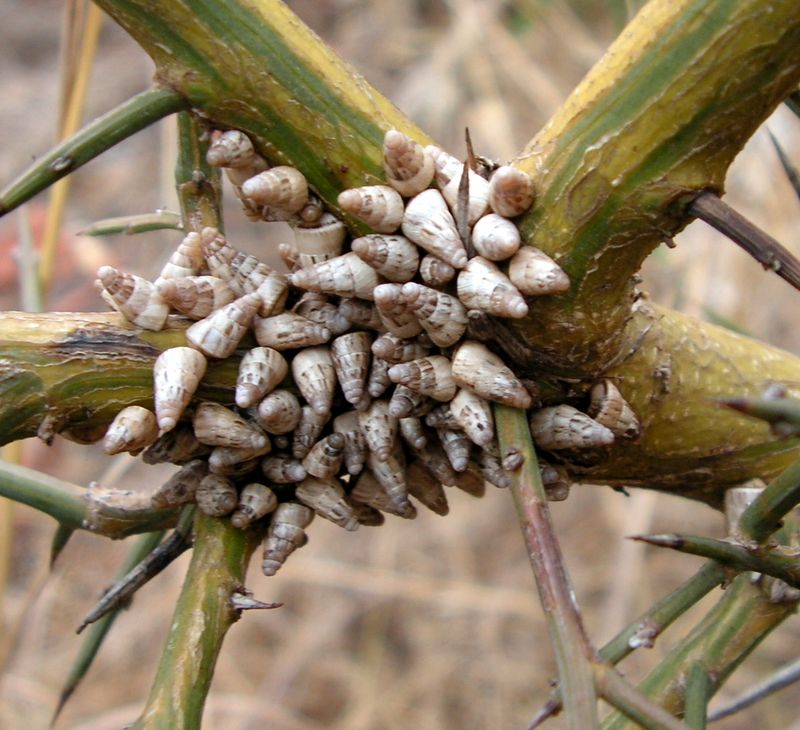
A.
pixel 279 412
pixel 351 359
pixel 286 534
pixel 176 375
pixel 610 409
pixel 435 272
pixel 186 260
pixel 132 429
pixel 260 371
pixel 394 312
pixel 428 223
pixel 289 331
pixel 429 375
pixel 565 427
pixel 393 257
pixel 442 316
pixel 255 501
pixel 379 206
pixel 325 457
pixel 315 376
pixel 379 429
pixel 355 446
pixel 474 415
pixel 427 489
pixel 219 334
pixel 481 285
pixel 281 187
pixel 534 273
pixel 495 238
pixel 326 497
pixel 134 298
pixel 477 368
pixel 216 425
pixel 216 496
pixel 344 276
pixel 195 296
pixel 320 243
pixel 408 167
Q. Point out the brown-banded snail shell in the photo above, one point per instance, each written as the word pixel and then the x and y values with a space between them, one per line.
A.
pixel 286 534
pixel 379 206
pixel 176 374
pixel 481 285
pixel 132 429
pixel 478 368
pixel 428 223
pixel 511 191
pixel 408 166
pixel 565 427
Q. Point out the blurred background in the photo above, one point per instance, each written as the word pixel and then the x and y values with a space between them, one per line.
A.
pixel 428 624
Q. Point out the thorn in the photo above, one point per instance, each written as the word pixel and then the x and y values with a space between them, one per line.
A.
pixel 791 171
pixel 761 246
pixel 471 162
pixel 665 540
pixel 462 210
pixel 243 601
pixel 551 708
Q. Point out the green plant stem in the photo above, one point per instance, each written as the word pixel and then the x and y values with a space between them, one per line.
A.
pixel 103 512
pixel 106 131
pixel 628 700
pixel 699 689
pixel 199 185
pixel 574 654
pixel 132 224
pixel 763 516
pixel 202 617
pixel 781 412
pixel 738 557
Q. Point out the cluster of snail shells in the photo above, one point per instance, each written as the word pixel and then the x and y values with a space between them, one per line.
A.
pixel 364 388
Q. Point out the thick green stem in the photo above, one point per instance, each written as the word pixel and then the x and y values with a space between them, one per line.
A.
pixel 699 689
pixel 102 134
pixel 202 617
pixel 763 516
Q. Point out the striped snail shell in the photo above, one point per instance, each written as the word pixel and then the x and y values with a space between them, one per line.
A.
pixel 393 257
pixel 457 447
pixel 391 474
pixel 351 359
pixel 219 334
pixel 477 199
pixel 446 167
pixel 408 167
pixel 474 415
pixel 285 535
pixel 315 375
pixel 134 298
pixel 565 427
pixel 433 458
pixel 511 191
pixel 379 206
pixel 177 446
pixel 132 429
pixel 379 429
pixel 362 314
pixel 308 430
pixel 255 501
pixel 368 490
pixel 272 291
pixel 195 296
pixel 180 488
pixel 281 187
pixel 216 496
pixel 355 444
pixel 442 316
pixel 234 151
pixel 413 432
pixel 427 489
pixel 289 255
pixel 283 469
pixel 344 276
pixel 435 272
pixel 394 312
pixel 405 402
pixel 236 461
pixel 491 468
pixel 319 310
pixel 379 379
pixel 325 457
pixel 326 497
pixel 441 417
pixel 176 374
pixel 278 412
pixel 479 369
pixel 428 223
pixel 481 285
pixel 396 349
pixel 495 238
pixel 260 371
pixel 320 243
pixel 289 331
pixel 534 273
pixel 216 425
pixel 431 375
pixel 610 409
pixel 186 260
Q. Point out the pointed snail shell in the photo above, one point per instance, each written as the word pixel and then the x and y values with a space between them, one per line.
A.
pixel 565 427
pixel 279 412
pixel 393 257
pixel 176 374
pixel 181 487
pixel 379 429
pixel 427 489
pixel 394 312
pixel 289 331
pixel 283 469
pixel 431 375
pixel 344 276
pixel 351 359
pixel 610 409
pixel 368 490
pixel 355 445
pixel 216 425
pixel 435 272
pixel 495 238
pixel 286 534
pixel 442 316
pixel 132 429
pixel 325 457
pixel 379 206
pixel 474 415
pixel 195 296
pixel 219 334
pixel 428 223
pixel 260 371
pixel 534 273
pixel 255 501
pixel 321 243
pixel 478 368
pixel 481 285
pixel 326 497
pixel 186 260
pixel 408 166
pixel 315 375
pixel 282 187
pixel 134 298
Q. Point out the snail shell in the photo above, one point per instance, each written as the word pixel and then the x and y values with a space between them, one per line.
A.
pixel 555 480
pixel 366 515
pixel 427 489
pixel 379 206
pixel 289 331
pixel 477 199
pixel 351 359
pixel 433 458
pixel 344 276
pixel 457 447
pixel 234 151
pixel 368 490
pixel 315 375
pixel 177 446
pixel 186 260
pixel 435 272
pixel 180 488
pixel 446 167
pixel 260 371
pixel 216 496
pixel 474 416
pixel 534 273
pixel 477 368
pixel 289 255
pixel 481 285
pixel 355 444
pixel 278 412
pixel 442 417
pixel 326 498
pixel 495 238
pixel 325 457
pixel 413 432
pixel 283 470
pixel 216 425
pixel 405 402
pixel 428 223
pixel 391 474
pixel 379 429
pixel 285 535
pixel 219 334
pixel 408 167
pixel 429 375
pixel 511 191
pixel 491 468
pixel 255 501
pixel 321 243
pixel 442 316
pixel 394 312
pixel 362 314
pixel 195 296
pixel 308 430
pixel 610 409
pixel 282 187
pixel 393 257
pixel 134 298
pixel 176 374
pixel 379 379
pixel 395 349
pixel 132 429
pixel 565 427
pixel 235 461
pixel 319 310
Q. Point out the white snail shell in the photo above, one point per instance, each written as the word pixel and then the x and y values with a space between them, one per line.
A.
pixel 474 415
pixel 435 272
pixel 315 375
pixel 219 334
pixel 132 429
pixel 478 368
pixel 325 457
pixel 289 331
pixel 260 371
pixel 394 312
pixel 176 374
pixel 511 191
pixel 279 412
pixel 286 534
pixel 609 408
pixel 344 276
pixel 379 206
pixel 431 375
pixel 379 429
pixel 495 238
pixel 351 359
pixel 326 497
pixel 481 285
pixel 186 260
pixel 442 316
pixel 477 199
pixel 408 166
pixel 195 296
pixel 534 273
pixel 282 187
pixel 320 243
pixel 216 425
pixel 428 223
pixel 393 257
pixel 565 427
pixel 134 298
